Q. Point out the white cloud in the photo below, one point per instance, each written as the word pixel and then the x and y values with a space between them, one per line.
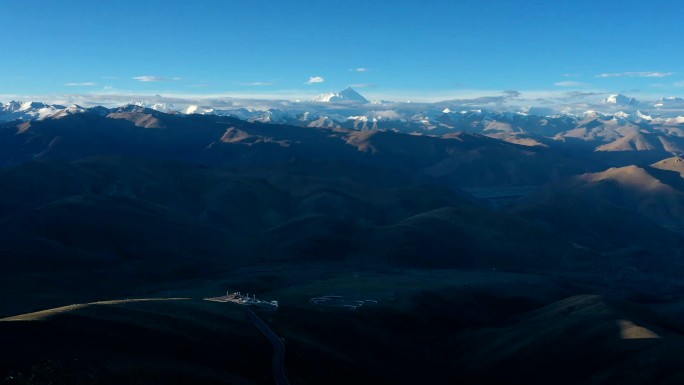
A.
pixel 678 84
pixel 569 83
pixel 258 84
pixel 315 79
pixel 115 96
pixel 85 84
pixel 360 69
pixel 561 99
pixel 387 114
pixel 199 85
pixel 149 78
pixel 636 75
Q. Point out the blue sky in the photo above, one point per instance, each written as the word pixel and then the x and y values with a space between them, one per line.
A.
pixel 385 49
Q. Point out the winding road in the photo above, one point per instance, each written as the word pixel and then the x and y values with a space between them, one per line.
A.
pixel 278 347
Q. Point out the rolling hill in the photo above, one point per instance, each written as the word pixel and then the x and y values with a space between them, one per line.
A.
pixel 465 256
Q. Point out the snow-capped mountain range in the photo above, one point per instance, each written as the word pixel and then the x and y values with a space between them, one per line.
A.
pixel 618 123
pixel 348 103
pixel 35 111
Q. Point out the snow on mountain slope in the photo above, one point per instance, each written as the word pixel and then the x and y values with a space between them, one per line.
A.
pixel 621 100
pixel 161 107
pixel 72 109
pixel 15 110
pixel 620 123
pixel 346 95
pixel 194 109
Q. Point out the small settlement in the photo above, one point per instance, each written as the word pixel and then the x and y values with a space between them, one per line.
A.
pixel 245 300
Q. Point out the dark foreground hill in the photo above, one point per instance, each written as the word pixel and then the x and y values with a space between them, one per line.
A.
pixel 431 264
pixel 435 327
pixel 141 221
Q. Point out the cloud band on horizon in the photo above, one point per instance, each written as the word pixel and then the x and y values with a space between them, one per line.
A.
pixel 84 84
pixel 646 74
pixel 150 78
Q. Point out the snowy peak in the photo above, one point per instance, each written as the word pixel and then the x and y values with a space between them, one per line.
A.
pixel 346 95
pixel 71 110
pixel 620 100
pixel 161 107
pixel 350 94
pixel 27 111
pixel 26 106
pixel 325 97
pixel 74 109
pixel 643 116
pixel 194 109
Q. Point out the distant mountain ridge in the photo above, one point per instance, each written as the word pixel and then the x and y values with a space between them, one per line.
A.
pixel 347 103
pixel 628 128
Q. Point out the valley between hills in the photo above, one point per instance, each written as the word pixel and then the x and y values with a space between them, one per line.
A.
pixel 523 257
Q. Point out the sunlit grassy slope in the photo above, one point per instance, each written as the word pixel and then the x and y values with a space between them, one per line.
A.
pixel 45 314
pixel 176 341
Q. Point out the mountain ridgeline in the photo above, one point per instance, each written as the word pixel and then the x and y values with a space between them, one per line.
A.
pixel 330 193
pixel 477 235
pixel 616 125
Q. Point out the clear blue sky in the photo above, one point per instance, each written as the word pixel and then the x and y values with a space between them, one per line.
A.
pixel 274 47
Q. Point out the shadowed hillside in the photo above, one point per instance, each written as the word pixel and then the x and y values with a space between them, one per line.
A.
pixel 395 258
pixel 466 160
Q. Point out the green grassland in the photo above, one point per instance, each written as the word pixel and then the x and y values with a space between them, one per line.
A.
pixel 430 326
pixel 135 342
